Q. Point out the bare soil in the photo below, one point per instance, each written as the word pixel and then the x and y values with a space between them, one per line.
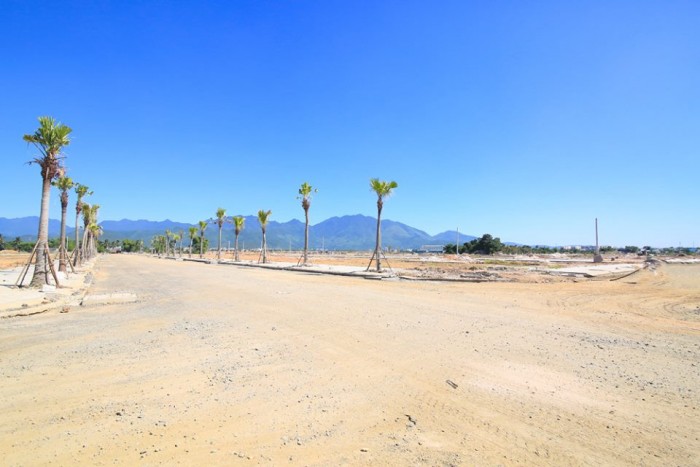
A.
pixel 220 364
pixel 10 259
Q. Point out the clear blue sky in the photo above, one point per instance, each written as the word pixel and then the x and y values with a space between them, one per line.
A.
pixel 522 119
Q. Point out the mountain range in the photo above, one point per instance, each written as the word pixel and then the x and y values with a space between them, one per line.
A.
pixel 353 232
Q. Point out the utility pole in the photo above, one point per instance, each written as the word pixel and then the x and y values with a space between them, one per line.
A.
pixel 597 258
pixel 457 249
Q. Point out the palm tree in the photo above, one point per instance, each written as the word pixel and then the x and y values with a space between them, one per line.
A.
pixel 305 191
pixel 220 219
pixel 181 236
pixel 176 238
pixel 95 232
pixel 239 224
pixel 192 231
pixel 383 190
pixel 64 184
pixel 50 138
pixel 168 233
pixel 158 244
pixel 263 217
pixel 91 228
pixel 86 211
pixel 202 227
pixel 81 191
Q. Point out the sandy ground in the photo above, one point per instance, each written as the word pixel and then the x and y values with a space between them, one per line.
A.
pixel 230 365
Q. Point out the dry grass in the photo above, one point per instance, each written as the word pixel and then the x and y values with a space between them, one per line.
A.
pixel 11 259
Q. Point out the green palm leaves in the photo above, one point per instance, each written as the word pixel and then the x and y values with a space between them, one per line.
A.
pixel 64 184
pixel 305 192
pixel 50 138
pixel 238 223
pixel 263 217
pixel 383 189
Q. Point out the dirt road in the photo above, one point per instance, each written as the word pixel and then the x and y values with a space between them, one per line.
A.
pixel 229 365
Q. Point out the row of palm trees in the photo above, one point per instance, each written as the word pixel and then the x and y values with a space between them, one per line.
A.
pixel 239 224
pixel 50 138
pixel 383 189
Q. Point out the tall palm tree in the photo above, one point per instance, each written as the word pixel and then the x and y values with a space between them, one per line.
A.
pixel 239 224
pixel 383 190
pixel 220 219
pixel 91 228
pixel 202 227
pixel 167 241
pixel 263 217
pixel 181 236
pixel 50 138
pixel 64 184
pixel 193 233
pixel 86 212
pixel 176 238
pixel 95 232
pixel 81 191
pixel 305 191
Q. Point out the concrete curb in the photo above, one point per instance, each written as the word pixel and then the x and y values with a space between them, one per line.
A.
pixel 313 270
pixel 108 299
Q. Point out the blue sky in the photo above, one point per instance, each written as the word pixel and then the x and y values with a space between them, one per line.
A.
pixel 522 119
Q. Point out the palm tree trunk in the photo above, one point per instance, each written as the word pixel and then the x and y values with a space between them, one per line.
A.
pixel 191 241
pixel 218 255
pixel 306 237
pixel 76 249
pixel 235 247
pixel 84 245
pixel 378 248
pixel 201 246
pixel 264 248
pixel 40 276
pixel 63 255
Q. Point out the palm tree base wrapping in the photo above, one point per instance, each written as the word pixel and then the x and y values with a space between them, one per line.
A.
pixel 42 267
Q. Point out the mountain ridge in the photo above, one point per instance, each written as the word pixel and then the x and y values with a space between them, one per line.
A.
pixel 348 232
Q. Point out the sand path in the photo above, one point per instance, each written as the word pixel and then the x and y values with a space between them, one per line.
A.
pixel 228 365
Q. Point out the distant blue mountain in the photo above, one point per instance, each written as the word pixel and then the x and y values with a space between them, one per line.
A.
pixel 126 225
pixel 26 226
pixel 353 232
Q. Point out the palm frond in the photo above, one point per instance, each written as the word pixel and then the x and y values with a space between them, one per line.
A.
pixel 239 222
pixel 263 217
pixel 382 188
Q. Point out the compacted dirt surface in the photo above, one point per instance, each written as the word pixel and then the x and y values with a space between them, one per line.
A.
pixel 221 364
